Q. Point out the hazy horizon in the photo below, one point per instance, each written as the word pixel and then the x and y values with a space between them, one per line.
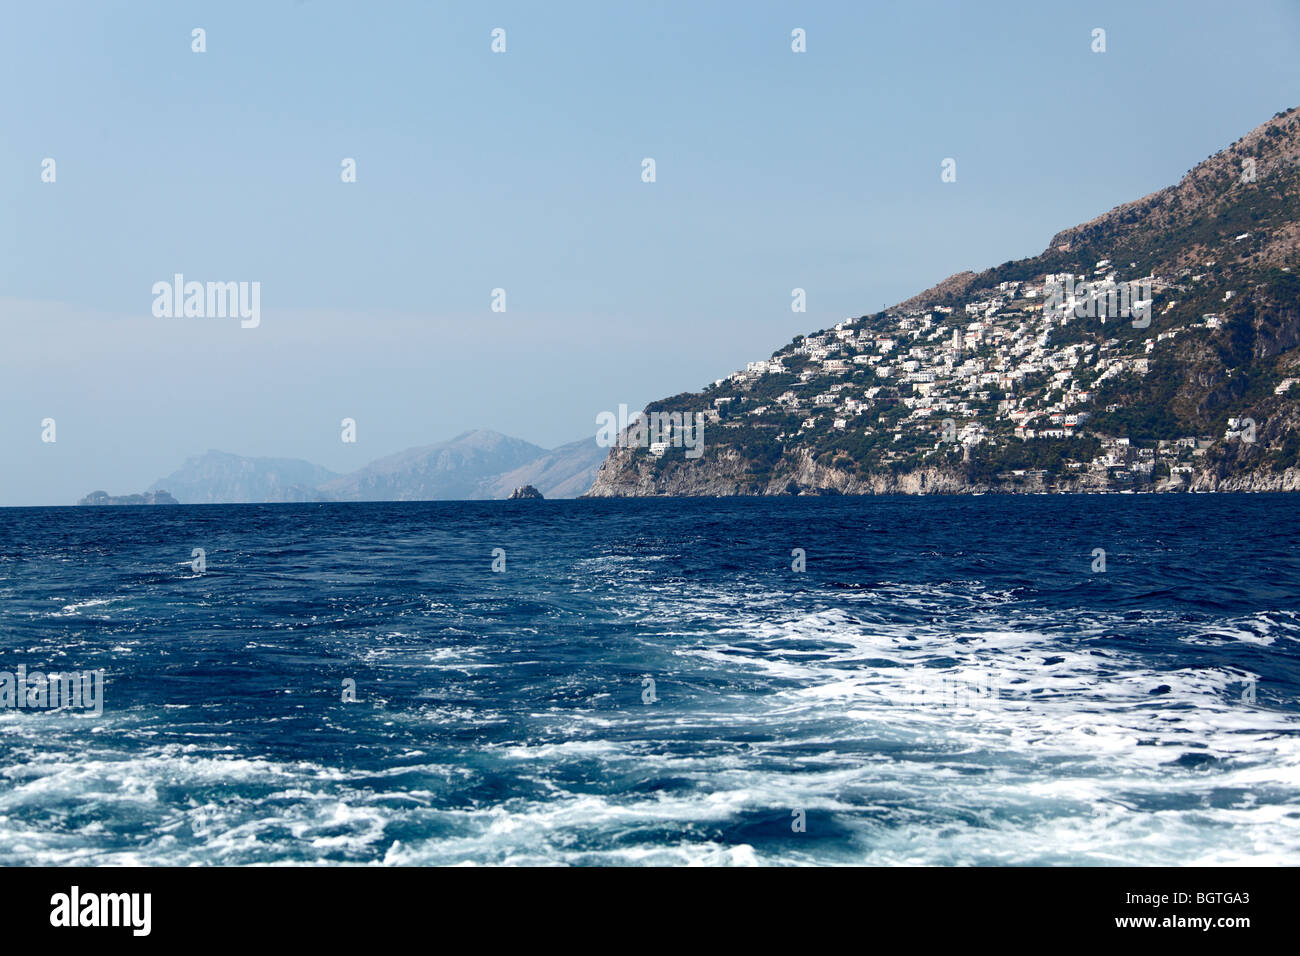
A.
pixel 522 171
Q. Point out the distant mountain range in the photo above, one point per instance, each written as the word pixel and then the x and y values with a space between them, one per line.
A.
pixel 475 465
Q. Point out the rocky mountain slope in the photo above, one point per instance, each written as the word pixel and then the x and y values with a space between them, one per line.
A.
pixel 454 469
pixel 1156 347
pixel 565 472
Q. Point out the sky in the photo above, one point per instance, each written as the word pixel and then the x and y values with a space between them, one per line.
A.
pixel 522 170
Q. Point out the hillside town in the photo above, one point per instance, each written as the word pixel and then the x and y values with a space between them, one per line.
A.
pixel 1027 362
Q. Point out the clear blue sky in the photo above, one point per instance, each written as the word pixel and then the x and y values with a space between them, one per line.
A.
pixel 522 170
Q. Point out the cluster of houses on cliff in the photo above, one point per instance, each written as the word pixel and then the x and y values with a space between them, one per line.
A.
pixel 996 368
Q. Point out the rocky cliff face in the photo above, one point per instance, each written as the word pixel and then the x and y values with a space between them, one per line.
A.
pixel 1288 480
pixel 801 475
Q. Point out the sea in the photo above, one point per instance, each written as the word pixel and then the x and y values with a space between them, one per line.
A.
pixel 995 680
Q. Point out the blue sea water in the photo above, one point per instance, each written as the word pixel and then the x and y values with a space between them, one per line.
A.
pixel 948 682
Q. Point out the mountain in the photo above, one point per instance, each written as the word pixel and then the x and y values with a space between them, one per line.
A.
pixel 565 472
pixel 148 498
pixel 222 478
pixel 1155 347
pixel 474 465
pixel 465 467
